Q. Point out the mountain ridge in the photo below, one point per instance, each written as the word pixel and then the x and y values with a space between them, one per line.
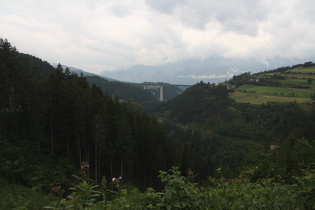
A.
pixel 213 69
pixel 79 71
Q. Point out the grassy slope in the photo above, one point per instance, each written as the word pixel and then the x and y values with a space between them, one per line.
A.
pixel 261 98
pixel 304 70
pixel 262 94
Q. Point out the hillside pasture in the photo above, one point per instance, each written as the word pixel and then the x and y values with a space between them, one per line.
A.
pixel 300 72
pixel 298 75
pixel 295 87
pixel 293 81
pixel 303 70
pixel 265 75
pixel 298 82
pixel 241 97
pixel 276 91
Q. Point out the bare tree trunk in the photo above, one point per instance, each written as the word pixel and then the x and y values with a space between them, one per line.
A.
pixel 143 177
pixel 38 144
pixel 95 162
pixel 80 155
pixel 111 167
pixel 99 165
pixel 121 171
pixel 51 138
pixel 86 156
pixel 68 150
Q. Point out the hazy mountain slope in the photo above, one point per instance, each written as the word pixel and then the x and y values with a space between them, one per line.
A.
pixel 213 69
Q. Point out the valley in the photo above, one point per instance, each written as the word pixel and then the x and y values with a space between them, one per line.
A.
pixel 82 142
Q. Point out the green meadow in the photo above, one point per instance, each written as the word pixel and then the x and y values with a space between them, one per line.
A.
pixel 304 70
pixel 294 87
pixel 294 81
pixel 298 75
pixel 276 91
pixel 252 98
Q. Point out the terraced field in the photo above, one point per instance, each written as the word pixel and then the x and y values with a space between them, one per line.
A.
pixel 241 97
pixel 304 70
pixel 296 73
pixel 295 87
pixel 277 91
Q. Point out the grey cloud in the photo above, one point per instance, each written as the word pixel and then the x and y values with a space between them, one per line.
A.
pixel 113 33
pixel 191 13
pixel 164 6
pixel 242 17
pixel 239 16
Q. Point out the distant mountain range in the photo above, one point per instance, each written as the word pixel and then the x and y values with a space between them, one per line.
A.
pixel 148 98
pixel 213 69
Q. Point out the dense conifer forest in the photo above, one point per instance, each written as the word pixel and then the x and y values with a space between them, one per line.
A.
pixel 67 144
pixel 52 120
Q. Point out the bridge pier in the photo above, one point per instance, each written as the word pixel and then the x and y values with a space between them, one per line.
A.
pixel 161 93
pixel 160 86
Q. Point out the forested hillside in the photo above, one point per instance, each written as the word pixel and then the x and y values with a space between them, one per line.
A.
pixel 51 120
pixel 236 134
pixel 206 151
pixel 126 92
pixel 148 99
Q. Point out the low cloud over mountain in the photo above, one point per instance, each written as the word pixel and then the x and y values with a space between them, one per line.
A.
pixel 213 69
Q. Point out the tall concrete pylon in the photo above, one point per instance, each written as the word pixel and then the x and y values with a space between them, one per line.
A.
pixel 161 93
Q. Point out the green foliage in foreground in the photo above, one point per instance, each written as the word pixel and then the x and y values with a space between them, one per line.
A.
pixel 14 196
pixel 181 192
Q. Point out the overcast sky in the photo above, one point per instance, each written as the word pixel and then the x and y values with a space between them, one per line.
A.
pixel 96 35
